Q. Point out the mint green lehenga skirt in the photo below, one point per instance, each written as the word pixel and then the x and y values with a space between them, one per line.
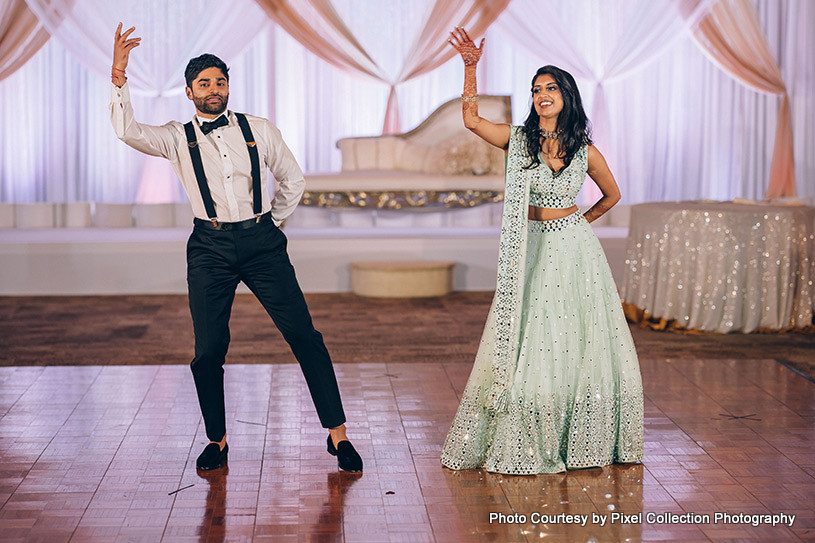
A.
pixel 575 400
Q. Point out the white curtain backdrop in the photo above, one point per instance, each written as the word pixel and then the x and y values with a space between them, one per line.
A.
pixel 678 127
pixel 620 42
pixel 325 103
pixel 172 33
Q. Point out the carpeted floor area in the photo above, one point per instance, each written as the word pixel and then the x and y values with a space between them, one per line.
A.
pixel 104 330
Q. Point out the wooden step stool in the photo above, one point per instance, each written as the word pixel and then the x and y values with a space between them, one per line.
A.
pixel 408 279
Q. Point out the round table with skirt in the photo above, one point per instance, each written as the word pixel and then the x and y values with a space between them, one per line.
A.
pixel 721 266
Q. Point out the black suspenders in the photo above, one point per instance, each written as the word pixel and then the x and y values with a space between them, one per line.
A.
pixel 200 176
pixel 252 147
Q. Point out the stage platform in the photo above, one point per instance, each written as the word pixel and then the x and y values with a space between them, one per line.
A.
pixel 93 454
pixel 64 261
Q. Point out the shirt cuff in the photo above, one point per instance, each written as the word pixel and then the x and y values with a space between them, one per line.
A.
pixel 119 95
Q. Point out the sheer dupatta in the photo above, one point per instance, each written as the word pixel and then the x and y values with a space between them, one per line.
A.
pixel 500 341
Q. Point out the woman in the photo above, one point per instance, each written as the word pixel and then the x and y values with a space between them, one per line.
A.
pixel 556 382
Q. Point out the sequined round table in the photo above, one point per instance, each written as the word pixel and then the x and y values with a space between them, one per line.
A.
pixel 721 266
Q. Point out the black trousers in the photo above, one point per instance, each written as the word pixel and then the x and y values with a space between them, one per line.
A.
pixel 217 260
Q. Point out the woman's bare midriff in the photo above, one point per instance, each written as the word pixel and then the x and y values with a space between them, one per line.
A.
pixel 548 214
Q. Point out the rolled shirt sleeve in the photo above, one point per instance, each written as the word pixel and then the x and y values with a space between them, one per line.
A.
pixel 290 183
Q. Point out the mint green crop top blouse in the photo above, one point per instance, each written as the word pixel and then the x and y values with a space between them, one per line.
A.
pixel 558 191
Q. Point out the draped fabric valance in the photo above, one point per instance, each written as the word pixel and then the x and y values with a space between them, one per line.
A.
pixel 21 35
pixel 319 28
pixel 172 33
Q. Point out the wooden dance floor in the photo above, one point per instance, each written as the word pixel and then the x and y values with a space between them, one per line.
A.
pixel 107 453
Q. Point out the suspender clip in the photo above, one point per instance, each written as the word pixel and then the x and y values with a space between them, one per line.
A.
pixel 214 222
pixel 257 217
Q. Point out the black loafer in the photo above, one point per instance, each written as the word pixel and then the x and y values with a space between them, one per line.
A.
pixel 212 457
pixel 347 457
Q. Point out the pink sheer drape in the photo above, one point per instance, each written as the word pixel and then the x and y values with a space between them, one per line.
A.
pixel 318 27
pixel 732 38
pixel 21 35
pixel 430 50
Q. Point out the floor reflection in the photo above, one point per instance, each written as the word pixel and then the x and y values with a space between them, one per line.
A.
pixel 567 506
pixel 213 523
pixel 328 526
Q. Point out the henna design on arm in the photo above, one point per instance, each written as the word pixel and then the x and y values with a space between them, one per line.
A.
pixel 470 54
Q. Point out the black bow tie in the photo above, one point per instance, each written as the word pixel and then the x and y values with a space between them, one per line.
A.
pixel 207 127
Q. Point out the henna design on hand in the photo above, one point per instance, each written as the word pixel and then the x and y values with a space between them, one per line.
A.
pixel 461 41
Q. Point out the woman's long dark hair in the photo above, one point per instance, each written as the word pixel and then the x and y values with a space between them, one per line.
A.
pixel 573 127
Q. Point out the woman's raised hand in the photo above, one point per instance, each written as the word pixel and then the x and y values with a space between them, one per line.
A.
pixel 465 46
pixel 122 46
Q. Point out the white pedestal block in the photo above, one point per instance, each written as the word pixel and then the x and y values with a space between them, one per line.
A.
pixel 620 215
pixel 471 216
pixel 432 219
pixel 311 217
pixel 386 218
pixel 183 214
pixel 75 215
pixel 154 215
pixel 113 215
pixel 39 215
pixel 355 218
pixel 604 220
pixel 6 215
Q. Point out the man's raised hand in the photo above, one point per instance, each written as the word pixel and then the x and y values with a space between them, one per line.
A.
pixel 122 45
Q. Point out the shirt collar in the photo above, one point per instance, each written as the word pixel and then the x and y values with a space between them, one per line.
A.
pixel 203 120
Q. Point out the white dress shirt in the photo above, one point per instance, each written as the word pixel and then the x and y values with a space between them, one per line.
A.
pixel 225 158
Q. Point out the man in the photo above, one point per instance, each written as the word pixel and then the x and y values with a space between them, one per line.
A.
pixel 222 159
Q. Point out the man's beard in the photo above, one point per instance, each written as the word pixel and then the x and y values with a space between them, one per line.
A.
pixel 202 104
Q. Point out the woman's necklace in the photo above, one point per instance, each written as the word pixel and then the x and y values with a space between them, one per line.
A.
pixel 550 149
pixel 549 143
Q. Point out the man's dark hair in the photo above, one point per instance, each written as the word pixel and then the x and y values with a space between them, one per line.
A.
pixel 198 64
